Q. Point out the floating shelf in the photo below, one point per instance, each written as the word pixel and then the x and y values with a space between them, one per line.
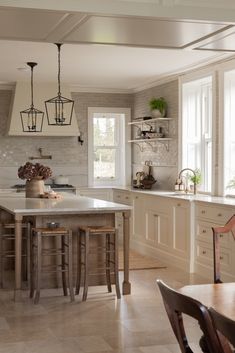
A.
pixel 152 142
pixel 147 121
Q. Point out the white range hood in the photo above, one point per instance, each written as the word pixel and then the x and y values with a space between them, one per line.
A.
pixel 42 92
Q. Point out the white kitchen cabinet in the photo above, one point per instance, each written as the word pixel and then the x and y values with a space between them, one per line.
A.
pixel 96 193
pixel 208 216
pixel 180 227
pixel 138 219
pixel 162 228
pixel 124 197
pixel 157 229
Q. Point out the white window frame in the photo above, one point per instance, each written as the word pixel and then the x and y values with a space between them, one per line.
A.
pixel 186 79
pixel 223 68
pixel 125 150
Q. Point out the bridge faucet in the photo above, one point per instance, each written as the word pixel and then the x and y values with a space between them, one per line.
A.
pixel 194 183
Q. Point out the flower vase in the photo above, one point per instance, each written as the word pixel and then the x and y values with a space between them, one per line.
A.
pixel 34 188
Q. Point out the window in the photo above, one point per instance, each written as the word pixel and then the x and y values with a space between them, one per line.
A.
pixel 197 129
pixel 229 133
pixel 108 152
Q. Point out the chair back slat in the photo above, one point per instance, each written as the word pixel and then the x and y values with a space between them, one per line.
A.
pixel 224 325
pixel 177 304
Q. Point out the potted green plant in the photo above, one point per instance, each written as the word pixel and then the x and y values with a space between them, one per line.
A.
pixel 197 178
pixel 158 107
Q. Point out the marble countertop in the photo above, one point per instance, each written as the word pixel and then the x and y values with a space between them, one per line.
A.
pixel 227 201
pixel 220 200
pixel 67 205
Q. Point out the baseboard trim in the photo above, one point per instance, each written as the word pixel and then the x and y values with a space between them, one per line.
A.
pixel 166 258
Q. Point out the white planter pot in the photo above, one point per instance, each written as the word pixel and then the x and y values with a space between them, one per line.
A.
pixel 157 114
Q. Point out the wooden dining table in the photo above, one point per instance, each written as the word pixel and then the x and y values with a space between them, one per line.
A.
pixel 220 296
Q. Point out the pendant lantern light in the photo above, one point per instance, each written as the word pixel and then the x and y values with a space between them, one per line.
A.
pixel 59 109
pixel 32 118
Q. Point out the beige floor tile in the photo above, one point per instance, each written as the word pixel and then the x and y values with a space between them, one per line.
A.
pixel 13 347
pixel 53 346
pixel 135 324
pixel 93 344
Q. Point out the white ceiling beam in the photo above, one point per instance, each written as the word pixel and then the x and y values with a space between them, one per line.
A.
pixel 210 10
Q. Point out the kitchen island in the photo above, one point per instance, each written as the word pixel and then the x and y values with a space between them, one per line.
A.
pixel 69 211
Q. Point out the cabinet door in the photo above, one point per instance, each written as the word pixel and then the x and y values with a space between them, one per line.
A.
pixel 138 217
pixel 157 229
pixel 180 228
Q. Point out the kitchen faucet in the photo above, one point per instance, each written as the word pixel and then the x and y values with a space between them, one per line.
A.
pixel 194 182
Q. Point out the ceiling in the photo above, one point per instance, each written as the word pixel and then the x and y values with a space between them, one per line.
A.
pixel 105 52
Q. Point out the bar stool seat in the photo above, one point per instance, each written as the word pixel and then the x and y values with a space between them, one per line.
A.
pixel 7 237
pixel 110 250
pixel 38 251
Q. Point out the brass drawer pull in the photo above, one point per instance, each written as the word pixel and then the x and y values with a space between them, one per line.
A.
pixel 178 204
pixel 221 235
pixel 204 252
pixel 204 231
pixel 219 214
pixel 203 211
pixel 127 197
pixel 221 257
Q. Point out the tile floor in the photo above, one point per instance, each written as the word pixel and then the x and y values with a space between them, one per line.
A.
pixel 134 324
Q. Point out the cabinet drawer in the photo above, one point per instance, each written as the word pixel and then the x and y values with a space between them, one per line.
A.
pixel 122 197
pixel 204 233
pixel 217 214
pixel 205 255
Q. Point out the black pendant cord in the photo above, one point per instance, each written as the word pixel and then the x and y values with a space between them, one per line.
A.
pixel 32 106
pixel 59 48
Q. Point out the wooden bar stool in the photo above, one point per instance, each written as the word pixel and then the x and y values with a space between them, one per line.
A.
pixel 38 252
pixel 110 249
pixel 7 249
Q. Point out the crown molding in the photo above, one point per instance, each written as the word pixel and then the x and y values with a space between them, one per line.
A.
pixel 80 89
pixel 171 76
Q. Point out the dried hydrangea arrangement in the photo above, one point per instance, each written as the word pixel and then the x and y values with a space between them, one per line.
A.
pixel 31 171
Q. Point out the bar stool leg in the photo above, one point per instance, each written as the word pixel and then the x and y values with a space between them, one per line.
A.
pixel 32 279
pixel 39 267
pixel 63 267
pixel 1 260
pixel 70 265
pixel 28 234
pixel 79 265
pixel 108 263
pixel 86 254
pixel 116 264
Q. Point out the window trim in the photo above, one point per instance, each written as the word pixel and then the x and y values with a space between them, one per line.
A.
pixel 223 68
pixel 186 79
pixel 126 152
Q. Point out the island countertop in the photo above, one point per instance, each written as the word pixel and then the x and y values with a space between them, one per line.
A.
pixel 68 205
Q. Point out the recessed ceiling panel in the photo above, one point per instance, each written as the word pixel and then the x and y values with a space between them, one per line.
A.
pixel 142 32
pixel 225 44
pixel 28 24
pixel 95 66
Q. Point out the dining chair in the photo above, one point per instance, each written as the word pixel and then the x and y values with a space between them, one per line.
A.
pixel 224 325
pixel 177 304
pixel 217 234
